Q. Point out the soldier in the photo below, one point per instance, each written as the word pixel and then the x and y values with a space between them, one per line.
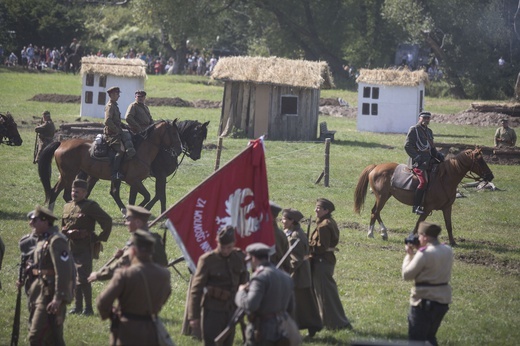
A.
pixel 45 133
pixel 113 132
pixel 27 244
pixel 323 243
pixel 54 268
pixel 78 224
pixel 138 115
pixel 141 289
pixel 136 218
pixel 306 311
pixel 215 283
pixel 268 301
pixel 505 136
pixel 280 240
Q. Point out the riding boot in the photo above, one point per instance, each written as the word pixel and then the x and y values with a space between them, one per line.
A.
pixel 78 301
pixel 87 293
pixel 116 165
pixel 417 202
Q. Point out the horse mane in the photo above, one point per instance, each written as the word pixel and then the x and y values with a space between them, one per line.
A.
pixel 456 165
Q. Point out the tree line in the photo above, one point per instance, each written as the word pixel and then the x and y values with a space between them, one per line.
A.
pixel 466 38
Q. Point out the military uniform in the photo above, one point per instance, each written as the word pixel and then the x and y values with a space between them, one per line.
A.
pixel 27 244
pixel 323 242
pixel 138 116
pixel 268 301
pixel 54 268
pixel 139 302
pixel 213 288
pixel 45 133
pixel 420 147
pixel 280 240
pixel 505 137
pixel 113 129
pixel 78 224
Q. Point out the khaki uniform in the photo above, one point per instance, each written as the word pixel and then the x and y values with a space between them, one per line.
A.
pixel 268 303
pixel 138 116
pixel 306 313
pixel 45 133
pixel 323 242
pixel 213 288
pixel 281 246
pixel 54 266
pixel 113 129
pixel 505 137
pixel 27 244
pixel 134 325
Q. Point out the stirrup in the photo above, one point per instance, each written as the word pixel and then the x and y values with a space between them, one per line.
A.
pixel 117 176
pixel 419 210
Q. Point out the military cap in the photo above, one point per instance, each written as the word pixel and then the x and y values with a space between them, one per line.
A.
pixel 429 229
pixel 113 89
pixel 46 113
pixel 504 120
pixel 140 92
pixel 143 239
pixel 325 203
pixel 80 184
pixel 138 212
pixel 43 213
pixel 259 250
pixel 292 214
pixel 425 114
pixel 275 208
pixel 226 235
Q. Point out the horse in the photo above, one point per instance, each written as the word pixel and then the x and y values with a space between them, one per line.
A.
pixel 442 188
pixel 73 159
pixel 9 131
pixel 192 134
pixel 72 60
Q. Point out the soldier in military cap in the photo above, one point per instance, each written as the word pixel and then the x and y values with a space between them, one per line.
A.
pixel 136 218
pixel 45 132
pixel 141 290
pixel 54 268
pixel 323 242
pixel 504 135
pixel 113 132
pixel 268 301
pixel 138 115
pixel 78 224
pixel 216 280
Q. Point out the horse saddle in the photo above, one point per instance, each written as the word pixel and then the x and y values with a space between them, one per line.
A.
pixel 404 178
pixel 99 148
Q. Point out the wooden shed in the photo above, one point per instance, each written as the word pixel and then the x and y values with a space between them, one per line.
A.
pixel 99 74
pixel 272 96
pixel 389 100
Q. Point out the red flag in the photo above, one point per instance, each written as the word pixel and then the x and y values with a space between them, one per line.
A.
pixel 236 195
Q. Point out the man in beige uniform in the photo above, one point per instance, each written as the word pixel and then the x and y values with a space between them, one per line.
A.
pixel 505 136
pixel 45 133
pixel 141 290
pixel 113 133
pixel 138 115
pixel 216 280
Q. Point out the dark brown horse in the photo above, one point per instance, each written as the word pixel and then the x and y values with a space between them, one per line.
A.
pixel 9 131
pixel 441 190
pixel 73 159
pixel 192 134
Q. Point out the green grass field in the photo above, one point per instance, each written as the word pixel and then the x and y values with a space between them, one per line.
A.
pixel 486 273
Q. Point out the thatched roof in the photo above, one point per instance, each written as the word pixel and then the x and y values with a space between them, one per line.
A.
pixel 113 67
pixel 402 77
pixel 273 70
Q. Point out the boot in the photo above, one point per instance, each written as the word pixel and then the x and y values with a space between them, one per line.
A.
pixel 417 202
pixel 128 144
pixel 87 294
pixel 116 165
pixel 78 301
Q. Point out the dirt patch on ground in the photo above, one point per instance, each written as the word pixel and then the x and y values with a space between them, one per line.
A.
pixel 486 258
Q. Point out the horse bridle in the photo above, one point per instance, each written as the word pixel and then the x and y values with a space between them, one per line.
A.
pixel 471 174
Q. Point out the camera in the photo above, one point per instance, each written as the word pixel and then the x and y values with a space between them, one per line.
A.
pixel 412 239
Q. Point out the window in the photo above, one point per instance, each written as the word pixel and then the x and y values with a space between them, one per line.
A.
pixel 421 97
pixel 366 109
pixel 289 105
pixel 374 108
pixel 102 98
pixel 89 80
pixel 366 92
pixel 375 93
pixel 102 81
pixel 88 96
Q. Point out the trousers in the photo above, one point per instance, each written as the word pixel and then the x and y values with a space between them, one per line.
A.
pixel 424 321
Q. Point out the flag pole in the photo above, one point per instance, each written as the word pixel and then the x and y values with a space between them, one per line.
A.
pixel 160 217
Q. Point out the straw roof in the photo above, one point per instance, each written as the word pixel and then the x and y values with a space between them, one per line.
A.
pixel 273 70
pixel 402 77
pixel 113 67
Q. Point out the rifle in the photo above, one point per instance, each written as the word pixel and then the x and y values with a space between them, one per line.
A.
pixel 173 263
pixel 309 227
pixel 15 334
pixel 35 149
pixel 109 262
pixel 239 313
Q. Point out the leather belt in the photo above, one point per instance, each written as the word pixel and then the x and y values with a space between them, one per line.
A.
pixel 48 272
pixel 427 284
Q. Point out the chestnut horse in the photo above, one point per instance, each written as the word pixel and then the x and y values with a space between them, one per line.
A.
pixel 9 131
pixel 441 192
pixel 73 158
pixel 192 134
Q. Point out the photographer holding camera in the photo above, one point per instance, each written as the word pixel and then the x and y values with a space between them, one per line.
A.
pixel 429 264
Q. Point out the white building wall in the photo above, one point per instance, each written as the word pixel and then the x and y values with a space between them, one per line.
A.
pixel 96 109
pixel 395 109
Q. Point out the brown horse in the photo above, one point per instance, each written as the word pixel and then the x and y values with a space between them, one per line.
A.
pixel 9 131
pixel 441 192
pixel 73 159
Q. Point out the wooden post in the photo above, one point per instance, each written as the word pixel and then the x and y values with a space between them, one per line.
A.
pixel 219 151
pixel 326 169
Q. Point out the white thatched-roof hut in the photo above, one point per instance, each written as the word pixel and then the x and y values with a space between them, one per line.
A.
pixel 271 96
pixel 99 74
pixel 389 100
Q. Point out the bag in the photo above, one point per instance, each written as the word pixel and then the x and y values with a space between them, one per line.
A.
pixel 163 337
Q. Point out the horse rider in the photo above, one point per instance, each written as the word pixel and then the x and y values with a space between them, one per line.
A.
pixel 45 133
pixel 420 148
pixel 138 115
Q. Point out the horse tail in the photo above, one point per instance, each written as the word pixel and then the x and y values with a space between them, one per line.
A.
pixel 361 188
pixel 44 168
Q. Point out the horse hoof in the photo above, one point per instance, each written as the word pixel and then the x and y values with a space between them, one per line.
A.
pixel 123 211
pixel 384 236
pixel 370 235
